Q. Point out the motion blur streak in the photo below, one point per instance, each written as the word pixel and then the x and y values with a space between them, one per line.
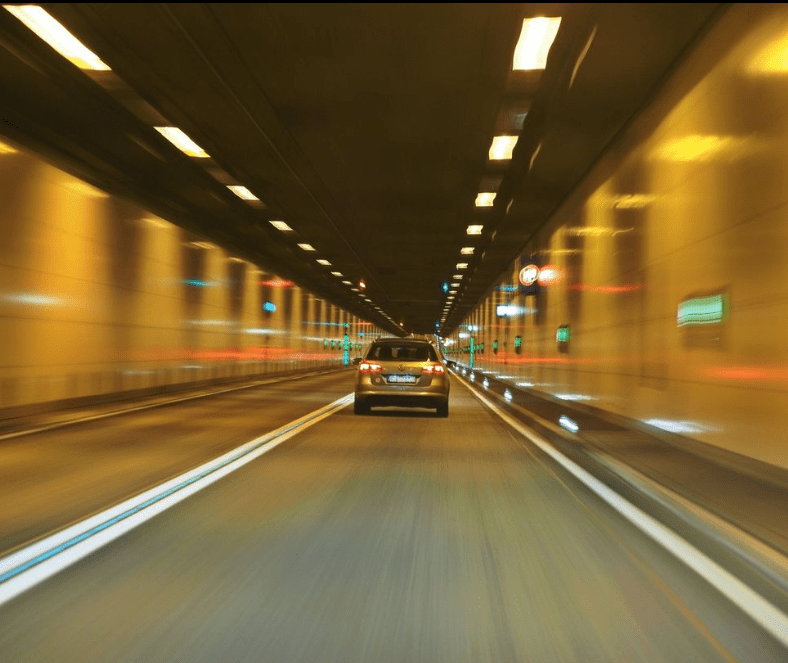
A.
pixel 764 613
pixel 687 206
pixel 27 567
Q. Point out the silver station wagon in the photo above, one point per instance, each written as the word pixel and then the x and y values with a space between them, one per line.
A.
pixel 404 373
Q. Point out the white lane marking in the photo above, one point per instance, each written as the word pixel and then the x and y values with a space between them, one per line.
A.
pixel 33 564
pixel 766 615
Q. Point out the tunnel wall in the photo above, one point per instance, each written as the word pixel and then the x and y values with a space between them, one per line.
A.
pixel 671 259
pixel 99 297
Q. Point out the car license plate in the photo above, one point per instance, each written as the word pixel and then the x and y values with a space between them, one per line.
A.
pixel 402 379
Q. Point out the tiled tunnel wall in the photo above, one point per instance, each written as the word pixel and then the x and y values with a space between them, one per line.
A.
pixel 671 259
pixel 98 297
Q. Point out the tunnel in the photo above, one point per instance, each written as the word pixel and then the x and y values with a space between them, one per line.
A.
pixel 212 214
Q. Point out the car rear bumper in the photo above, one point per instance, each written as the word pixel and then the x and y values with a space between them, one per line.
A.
pixel 429 400
pixel 434 395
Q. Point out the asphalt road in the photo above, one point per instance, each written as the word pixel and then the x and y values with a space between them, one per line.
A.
pixel 393 537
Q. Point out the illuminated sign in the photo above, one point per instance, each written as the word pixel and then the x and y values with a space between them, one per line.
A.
pixel 529 274
pixel 547 275
pixel 508 310
pixel 702 310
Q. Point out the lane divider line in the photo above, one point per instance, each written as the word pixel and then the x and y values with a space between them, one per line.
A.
pixel 764 613
pixel 32 564
pixel 769 561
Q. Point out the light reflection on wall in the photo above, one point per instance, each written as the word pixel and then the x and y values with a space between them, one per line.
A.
pixel 771 59
pixel 698 147
pixel 680 426
pixel 31 299
pixel 686 211
pixel 98 296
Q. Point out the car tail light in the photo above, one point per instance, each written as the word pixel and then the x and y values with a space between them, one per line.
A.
pixel 433 368
pixel 367 367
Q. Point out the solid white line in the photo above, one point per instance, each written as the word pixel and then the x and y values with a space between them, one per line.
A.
pixel 33 564
pixel 765 614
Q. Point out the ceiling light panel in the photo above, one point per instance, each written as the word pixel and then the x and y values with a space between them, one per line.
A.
pixel 321 261
pixel 536 38
pixel 307 247
pixel 242 192
pixel 474 230
pixel 502 147
pixel 466 251
pixel 281 225
pixel 183 142
pixel 485 199
pixel 54 34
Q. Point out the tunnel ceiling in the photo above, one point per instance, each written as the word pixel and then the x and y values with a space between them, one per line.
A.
pixel 365 127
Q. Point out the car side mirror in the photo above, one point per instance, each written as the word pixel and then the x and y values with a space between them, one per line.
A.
pixel 356 360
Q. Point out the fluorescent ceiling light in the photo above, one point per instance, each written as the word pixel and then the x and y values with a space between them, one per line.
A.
pixel 321 261
pixel 462 265
pixel 281 225
pixel 348 282
pixel 183 142
pixel 534 44
pixel 455 285
pixel 501 147
pixel 242 192
pixel 307 247
pixel 337 273
pixel 54 34
pixel 466 251
pixel 474 230
pixel 457 276
pixel 485 199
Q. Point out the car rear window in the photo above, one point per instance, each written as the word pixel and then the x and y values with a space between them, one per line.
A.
pixel 403 352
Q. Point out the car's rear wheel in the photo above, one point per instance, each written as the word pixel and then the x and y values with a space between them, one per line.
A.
pixel 443 410
pixel 360 408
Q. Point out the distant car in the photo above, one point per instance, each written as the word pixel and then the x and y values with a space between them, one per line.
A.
pixel 401 372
